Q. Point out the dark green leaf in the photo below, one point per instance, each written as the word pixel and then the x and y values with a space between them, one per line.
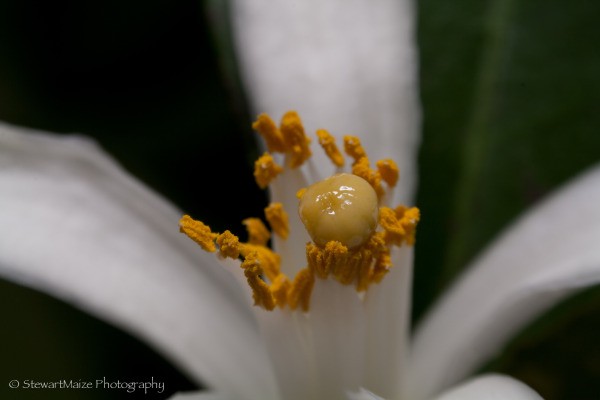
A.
pixel 511 97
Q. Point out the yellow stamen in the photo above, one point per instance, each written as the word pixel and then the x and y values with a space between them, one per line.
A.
pixel 299 293
pixel 361 168
pixel 289 138
pixel 260 290
pixel 278 219
pixel 409 218
pixel 323 259
pixel 389 171
pixel 381 267
pixel 353 148
pixel 265 170
pixel 394 231
pixel 399 224
pixel 359 266
pixel 257 231
pixel 268 259
pixel 229 245
pixel 265 126
pixel 198 232
pixel 300 193
pixel 280 288
pixel 353 247
pixel 328 143
pixel 295 140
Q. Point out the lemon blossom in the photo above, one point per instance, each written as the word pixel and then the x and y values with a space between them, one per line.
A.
pixel 76 225
pixel 81 228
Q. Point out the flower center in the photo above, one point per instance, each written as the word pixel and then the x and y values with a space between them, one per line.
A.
pixel 340 208
pixel 341 214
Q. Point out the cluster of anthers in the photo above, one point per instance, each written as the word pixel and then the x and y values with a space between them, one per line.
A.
pixel 342 215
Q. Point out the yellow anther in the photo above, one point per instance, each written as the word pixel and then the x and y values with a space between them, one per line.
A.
pixel 409 218
pixel 260 290
pixel 265 170
pixel 328 143
pixel 294 139
pixel 360 267
pixel 394 230
pixel 300 193
pixel 381 267
pixel 289 138
pixel 301 289
pixel 278 219
pixel 361 168
pixel 349 273
pixel 340 208
pixel 229 245
pixel 389 171
pixel 280 289
pixel 257 231
pixel 265 126
pixel 269 260
pixel 198 232
pixel 323 260
pixel 353 148
pixel 399 224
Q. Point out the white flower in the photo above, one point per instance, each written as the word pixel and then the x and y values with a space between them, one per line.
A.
pixel 74 224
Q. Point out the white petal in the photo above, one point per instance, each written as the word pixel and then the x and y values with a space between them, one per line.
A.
pixel 290 349
pixel 319 354
pixel 491 387
pixel 349 66
pixel 545 256
pixel 487 387
pixel 292 249
pixel 388 307
pixel 75 225
pixel 363 394
pixel 338 324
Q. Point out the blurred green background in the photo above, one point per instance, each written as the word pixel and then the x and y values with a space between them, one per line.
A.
pixel 511 96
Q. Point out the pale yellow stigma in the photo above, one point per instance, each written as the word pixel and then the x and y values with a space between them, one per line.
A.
pixel 352 235
pixel 340 208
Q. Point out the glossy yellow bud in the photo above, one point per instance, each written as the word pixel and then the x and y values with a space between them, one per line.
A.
pixel 340 208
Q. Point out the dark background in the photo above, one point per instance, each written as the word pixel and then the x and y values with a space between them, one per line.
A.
pixel 142 78
pixel 511 110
